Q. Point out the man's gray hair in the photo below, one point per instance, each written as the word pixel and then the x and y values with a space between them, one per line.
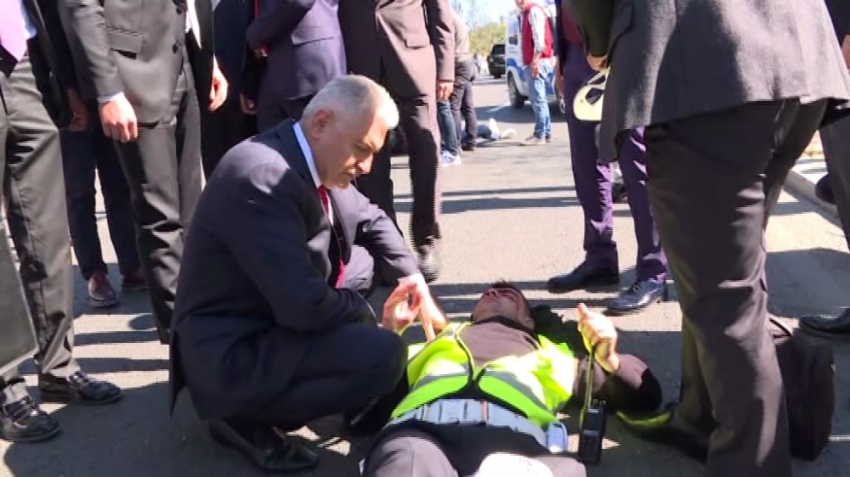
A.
pixel 354 97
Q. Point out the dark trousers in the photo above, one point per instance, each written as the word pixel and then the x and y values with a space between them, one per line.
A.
pixel 85 153
pixel 344 369
pixel 836 148
pixel 461 100
pixel 163 170
pixel 593 183
pixel 34 191
pixel 419 121
pixel 467 110
pixel 456 451
pixel 448 131
pixel 713 181
pixel 270 111
pixel 222 129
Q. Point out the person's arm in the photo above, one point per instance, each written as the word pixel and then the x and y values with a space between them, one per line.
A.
pixel 632 387
pixel 537 20
pixel 276 18
pixel 593 18
pixel 439 16
pixel 269 242
pixel 85 18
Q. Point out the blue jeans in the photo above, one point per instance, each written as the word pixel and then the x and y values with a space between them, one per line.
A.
pixel 539 101
pixel 83 153
pixel 448 128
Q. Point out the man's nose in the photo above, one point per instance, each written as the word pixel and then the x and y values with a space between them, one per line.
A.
pixel 364 167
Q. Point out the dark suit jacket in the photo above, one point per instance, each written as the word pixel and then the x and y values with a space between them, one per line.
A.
pixel 49 56
pixel 304 44
pixel 135 47
pixel 839 10
pixel 663 68
pixel 256 271
pixel 230 19
pixel 410 40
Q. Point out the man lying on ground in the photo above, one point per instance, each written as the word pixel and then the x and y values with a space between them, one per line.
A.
pixel 485 394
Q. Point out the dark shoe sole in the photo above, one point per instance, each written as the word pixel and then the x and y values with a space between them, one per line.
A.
pixel 591 282
pixel 61 398
pixel 103 303
pixel 33 439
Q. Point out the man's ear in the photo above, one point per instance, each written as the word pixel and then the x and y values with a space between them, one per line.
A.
pixel 320 121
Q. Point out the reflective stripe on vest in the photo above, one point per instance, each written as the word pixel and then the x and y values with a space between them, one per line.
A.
pixel 537 384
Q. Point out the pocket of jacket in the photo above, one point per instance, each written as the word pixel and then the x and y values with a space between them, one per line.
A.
pixel 311 34
pixel 417 40
pixel 125 41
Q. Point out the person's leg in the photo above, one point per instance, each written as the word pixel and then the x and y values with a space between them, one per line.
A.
pixel 836 148
pixel 467 110
pixel 79 161
pixel 294 108
pixel 448 132
pixel 537 98
pixel 407 451
pixel 221 129
pixel 116 198
pixel 717 256
pixel 344 370
pixel 456 98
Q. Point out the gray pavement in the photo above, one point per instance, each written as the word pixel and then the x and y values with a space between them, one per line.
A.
pixel 509 213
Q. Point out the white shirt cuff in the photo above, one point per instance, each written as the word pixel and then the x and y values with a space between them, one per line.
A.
pixel 416 278
pixel 111 97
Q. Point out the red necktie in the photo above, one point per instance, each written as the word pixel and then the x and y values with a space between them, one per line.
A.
pixel 326 203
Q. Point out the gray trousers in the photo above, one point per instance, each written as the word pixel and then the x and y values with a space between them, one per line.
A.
pixel 714 180
pixel 836 148
pixel 34 191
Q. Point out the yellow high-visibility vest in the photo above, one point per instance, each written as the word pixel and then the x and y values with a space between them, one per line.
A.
pixel 538 383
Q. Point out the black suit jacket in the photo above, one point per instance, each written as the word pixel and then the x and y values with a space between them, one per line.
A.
pixel 256 274
pixel 50 59
pixel 136 47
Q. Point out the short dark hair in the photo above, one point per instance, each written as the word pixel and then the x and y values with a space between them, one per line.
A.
pixel 504 284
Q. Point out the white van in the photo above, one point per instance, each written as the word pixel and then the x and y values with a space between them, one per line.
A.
pixel 515 75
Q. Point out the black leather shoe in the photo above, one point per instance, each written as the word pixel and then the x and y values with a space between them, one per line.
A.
pixel 468 146
pixel 823 190
pixel 665 427
pixel 826 325
pixel 24 421
pixel 429 263
pixel 583 276
pixel 78 388
pixel 264 447
pixel 638 296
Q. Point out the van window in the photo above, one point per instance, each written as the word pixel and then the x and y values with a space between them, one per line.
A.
pixel 498 49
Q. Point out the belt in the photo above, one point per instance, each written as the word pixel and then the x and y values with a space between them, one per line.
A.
pixel 471 412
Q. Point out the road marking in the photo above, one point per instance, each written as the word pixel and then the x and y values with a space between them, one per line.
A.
pixel 498 108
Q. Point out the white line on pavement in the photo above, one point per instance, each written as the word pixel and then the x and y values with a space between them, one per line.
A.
pixel 498 108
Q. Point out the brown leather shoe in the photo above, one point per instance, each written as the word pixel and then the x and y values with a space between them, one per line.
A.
pixel 134 281
pixel 101 293
pixel 78 388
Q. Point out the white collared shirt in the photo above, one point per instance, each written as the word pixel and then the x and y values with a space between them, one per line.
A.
pixel 192 23
pixel 311 163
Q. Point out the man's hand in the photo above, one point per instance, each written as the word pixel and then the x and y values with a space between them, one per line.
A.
pixel 119 120
pixel 444 89
pixel 598 63
pixel 249 107
pixel 534 69
pixel 845 48
pixel 79 112
pixel 559 83
pixel 401 308
pixel 598 330
pixel 218 92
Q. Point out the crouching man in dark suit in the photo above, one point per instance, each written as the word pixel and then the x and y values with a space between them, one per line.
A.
pixel 272 328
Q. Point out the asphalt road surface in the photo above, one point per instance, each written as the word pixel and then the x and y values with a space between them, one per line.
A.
pixel 509 212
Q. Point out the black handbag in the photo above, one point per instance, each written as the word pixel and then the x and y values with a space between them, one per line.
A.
pixel 17 335
pixel 808 372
